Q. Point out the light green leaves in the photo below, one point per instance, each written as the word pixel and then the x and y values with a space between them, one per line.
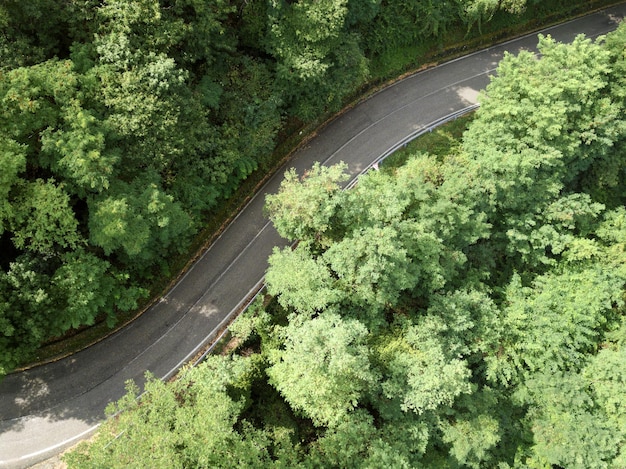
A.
pixel 12 162
pixel 180 425
pixel 303 210
pixel 42 219
pixel 139 219
pixel 555 324
pixel 373 265
pixel 419 372
pixel 79 152
pixel 318 60
pixel 302 282
pixel 324 368
pixel 568 430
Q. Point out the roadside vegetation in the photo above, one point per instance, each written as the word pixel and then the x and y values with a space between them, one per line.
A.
pixel 126 127
pixel 459 309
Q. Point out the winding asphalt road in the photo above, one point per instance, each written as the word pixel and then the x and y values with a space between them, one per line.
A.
pixel 48 408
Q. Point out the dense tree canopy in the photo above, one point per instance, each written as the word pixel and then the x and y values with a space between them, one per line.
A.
pixel 463 311
pixel 125 123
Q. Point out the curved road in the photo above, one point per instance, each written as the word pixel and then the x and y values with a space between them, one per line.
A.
pixel 48 408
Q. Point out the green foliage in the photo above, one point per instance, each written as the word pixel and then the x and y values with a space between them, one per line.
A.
pixel 102 127
pixel 138 219
pixel 26 303
pixel 30 32
pixel 402 23
pixel 606 375
pixel 302 210
pixel 181 425
pixel 543 150
pixel 366 247
pixel 456 340
pixel 78 154
pixel 250 321
pixel 480 11
pixel 12 162
pixel 42 221
pixel 464 310
pixel 475 431
pixel 316 54
pixel 420 373
pixel 85 287
pixel 568 430
pixel 126 123
pixel 558 321
pixel 44 296
pixel 304 283
pixel 323 369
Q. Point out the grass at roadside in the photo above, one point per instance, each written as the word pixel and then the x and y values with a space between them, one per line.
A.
pixel 459 41
pixel 385 68
pixel 440 143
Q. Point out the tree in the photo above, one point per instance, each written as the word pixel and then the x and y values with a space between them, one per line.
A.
pixel 302 283
pixel 562 137
pixel 479 11
pixel 324 368
pixel 43 221
pixel 419 373
pixel 28 32
pixel 358 442
pixel 78 153
pixel 33 100
pixel 303 210
pixel 567 429
pixel 189 423
pixel 84 286
pixel 143 228
pixel 363 254
pixel 605 376
pixel 315 54
pixel 374 265
pixel 25 306
pixel 474 432
pixel 404 23
pixel 555 323
pixel 12 163
pixel 542 143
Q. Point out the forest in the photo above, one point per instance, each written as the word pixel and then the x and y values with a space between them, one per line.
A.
pixel 459 310
pixel 125 125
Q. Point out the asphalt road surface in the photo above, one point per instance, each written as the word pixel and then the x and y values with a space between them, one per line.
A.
pixel 48 408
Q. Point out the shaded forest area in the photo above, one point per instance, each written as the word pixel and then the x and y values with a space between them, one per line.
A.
pixel 125 124
pixel 465 309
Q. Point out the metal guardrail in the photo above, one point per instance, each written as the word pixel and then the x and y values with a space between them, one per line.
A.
pixel 217 334
pixel 260 286
pixel 409 138
pixel 241 308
